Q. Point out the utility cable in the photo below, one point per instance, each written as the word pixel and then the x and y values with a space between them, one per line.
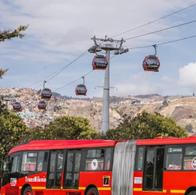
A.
pixel 160 30
pixel 164 43
pixel 156 20
pixel 50 77
pixel 53 75
pixel 71 82
pixel 84 75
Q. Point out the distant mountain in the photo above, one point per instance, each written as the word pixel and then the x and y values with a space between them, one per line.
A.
pixel 147 96
pixel 181 108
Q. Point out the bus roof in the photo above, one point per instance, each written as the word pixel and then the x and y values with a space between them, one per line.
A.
pixel 76 144
pixel 61 144
pixel 167 140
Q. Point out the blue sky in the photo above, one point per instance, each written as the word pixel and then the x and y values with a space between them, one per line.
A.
pixel 61 30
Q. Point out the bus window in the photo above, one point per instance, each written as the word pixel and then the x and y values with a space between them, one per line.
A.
pixel 140 159
pixel 15 163
pixel 72 170
pixel 29 162
pixel 6 165
pixel 55 169
pixel 174 158
pixel 190 158
pixel 149 168
pixel 51 174
pixel 40 161
pixel 95 160
pixel 108 159
pixel 59 168
pixel 153 168
pixel 76 169
pixel 190 150
pixel 69 168
pixel 99 159
pixel 60 161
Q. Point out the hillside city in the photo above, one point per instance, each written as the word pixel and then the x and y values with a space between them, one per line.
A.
pixel 181 108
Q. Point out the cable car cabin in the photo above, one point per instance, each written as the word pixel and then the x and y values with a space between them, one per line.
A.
pixel 46 93
pixel 17 106
pixel 151 63
pixel 99 62
pixel 81 89
pixel 42 105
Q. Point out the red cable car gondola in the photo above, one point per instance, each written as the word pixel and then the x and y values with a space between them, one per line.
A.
pixel 46 93
pixel 42 105
pixel 99 62
pixel 81 88
pixel 152 62
pixel 17 107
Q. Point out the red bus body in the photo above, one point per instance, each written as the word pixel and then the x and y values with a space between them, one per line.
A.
pixel 174 178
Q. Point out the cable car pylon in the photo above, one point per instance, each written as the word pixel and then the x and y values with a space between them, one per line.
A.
pixel 108 45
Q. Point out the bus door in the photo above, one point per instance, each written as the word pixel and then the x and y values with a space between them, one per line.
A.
pixel 12 173
pixel 72 169
pixel 153 169
pixel 55 169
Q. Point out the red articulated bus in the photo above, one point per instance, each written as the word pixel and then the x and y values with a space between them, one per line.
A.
pixel 160 166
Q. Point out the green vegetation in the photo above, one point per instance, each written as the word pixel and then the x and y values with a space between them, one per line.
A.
pixel 66 127
pixel 12 130
pixel 146 125
pixel 10 34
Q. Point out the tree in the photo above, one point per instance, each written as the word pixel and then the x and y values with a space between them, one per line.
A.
pixel 2 72
pixel 66 127
pixel 9 34
pixel 12 130
pixel 2 106
pixel 146 125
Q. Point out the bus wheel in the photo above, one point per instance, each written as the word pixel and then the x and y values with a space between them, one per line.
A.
pixel 92 191
pixel 27 191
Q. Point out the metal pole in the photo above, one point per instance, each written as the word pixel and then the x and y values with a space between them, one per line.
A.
pixel 44 84
pixel 106 97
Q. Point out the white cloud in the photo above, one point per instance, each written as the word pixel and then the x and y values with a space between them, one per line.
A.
pixel 137 84
pixel 70 22
pixel 125 89
pixel 187 75
pixel 61 29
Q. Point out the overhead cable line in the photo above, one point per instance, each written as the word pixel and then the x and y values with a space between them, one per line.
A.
pixel 164 43
pixel 156 20
pixel 131 48
pixel 35 83
pixel 53 75
pixel 71 82
pixel 50 77
pixel 160 30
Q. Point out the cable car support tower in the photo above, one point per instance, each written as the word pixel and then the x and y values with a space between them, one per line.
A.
pixel 107 45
